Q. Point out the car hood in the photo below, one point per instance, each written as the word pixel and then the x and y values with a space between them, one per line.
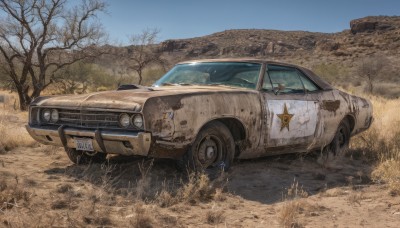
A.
pixel 130 100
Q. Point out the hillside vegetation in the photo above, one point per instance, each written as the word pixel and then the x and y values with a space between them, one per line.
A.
pixel 39 187
pixel 337 57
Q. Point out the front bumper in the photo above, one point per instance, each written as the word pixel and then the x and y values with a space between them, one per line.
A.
pixel 106 141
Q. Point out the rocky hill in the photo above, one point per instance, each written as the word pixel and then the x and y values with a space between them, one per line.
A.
pixel 334 56
pixel 375 35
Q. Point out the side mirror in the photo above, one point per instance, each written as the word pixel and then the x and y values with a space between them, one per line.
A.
pixel 279 88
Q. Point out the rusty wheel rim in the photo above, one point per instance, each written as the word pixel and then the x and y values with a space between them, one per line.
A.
pixel 209 151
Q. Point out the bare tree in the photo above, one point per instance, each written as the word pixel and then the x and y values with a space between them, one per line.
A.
pixel 143 51
pixel 40 37
pixel 74 78
pixel 371 69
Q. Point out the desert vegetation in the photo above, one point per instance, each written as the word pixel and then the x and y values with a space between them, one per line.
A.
pixel 39 187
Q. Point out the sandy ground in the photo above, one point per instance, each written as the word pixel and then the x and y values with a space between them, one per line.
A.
pixel 257 193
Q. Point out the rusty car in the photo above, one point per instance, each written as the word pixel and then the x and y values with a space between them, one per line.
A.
pixel 204 114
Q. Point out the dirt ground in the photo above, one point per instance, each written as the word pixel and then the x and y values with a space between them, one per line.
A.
pixel 46 189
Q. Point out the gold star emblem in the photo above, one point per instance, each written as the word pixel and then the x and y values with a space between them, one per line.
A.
pixel 285 118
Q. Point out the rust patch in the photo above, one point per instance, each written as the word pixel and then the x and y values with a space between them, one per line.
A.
pixel 158 125
pixel 331 106
pixel 179 139
pixel 244 144
pixel 174 102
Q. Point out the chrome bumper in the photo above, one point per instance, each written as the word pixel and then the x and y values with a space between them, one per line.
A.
pixel 106 141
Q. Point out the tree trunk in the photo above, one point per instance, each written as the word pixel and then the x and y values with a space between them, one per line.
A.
pixel 370 83
pixel 24 99
pixel 140 76
pixel 371 87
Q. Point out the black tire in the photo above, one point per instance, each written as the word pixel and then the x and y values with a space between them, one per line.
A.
pixel 81 157
pixel 340 143
pixel 213 149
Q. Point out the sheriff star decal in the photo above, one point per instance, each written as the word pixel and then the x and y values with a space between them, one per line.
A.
pixel 285 118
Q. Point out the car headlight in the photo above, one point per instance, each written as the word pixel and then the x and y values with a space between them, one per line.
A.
pixel 46 115
pixel 124 120
pixel 54 115
pixel 137 120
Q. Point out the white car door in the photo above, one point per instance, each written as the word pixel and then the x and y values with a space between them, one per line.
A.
pixel 291 110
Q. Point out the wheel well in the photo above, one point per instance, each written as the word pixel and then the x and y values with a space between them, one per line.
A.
pixel 352 121
pixel 235 127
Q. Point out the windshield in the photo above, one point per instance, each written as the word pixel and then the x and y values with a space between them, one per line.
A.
pixel 216 73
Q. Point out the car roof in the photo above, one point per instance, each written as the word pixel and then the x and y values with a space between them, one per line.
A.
pixel 324 85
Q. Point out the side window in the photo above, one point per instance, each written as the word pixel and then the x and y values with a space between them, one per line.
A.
pixel 308 85
pixel 266 86
pixel 285 79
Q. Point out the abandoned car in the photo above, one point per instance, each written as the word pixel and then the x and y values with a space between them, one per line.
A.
pixel 204 114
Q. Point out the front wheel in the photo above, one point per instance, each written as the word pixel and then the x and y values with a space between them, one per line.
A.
pixel 213 149
pixel 82 157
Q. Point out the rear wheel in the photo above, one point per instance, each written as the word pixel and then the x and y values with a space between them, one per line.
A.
pixel 85 157
pixel 213 148
pixel 340 143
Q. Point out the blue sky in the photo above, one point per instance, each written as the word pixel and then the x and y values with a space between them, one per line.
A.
pixel 185 19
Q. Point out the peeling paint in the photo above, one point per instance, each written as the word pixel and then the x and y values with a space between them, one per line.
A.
pixel 331 106
pixel 175 114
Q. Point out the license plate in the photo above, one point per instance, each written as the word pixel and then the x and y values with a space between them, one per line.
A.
pixel 84 144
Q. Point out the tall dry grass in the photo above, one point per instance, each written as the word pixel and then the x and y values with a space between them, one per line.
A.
pixel 12 131
pixel 381 143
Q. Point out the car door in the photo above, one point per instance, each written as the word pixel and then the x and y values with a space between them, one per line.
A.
pixel 291 108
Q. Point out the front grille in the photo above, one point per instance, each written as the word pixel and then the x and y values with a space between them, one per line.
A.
pixel 89 119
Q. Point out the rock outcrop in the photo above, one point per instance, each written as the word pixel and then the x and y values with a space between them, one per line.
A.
pixel 373 24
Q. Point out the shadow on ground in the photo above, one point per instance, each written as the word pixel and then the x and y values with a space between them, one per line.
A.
pixel 264 180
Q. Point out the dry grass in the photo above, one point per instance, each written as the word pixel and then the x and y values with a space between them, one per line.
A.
pixel 293 212
pixel 196 189
pixel 295 191
pixel 142 217
pixel 12 132
pixel 9 101
pixel 355 198
pixel 12 195
pixel 165 199
pixel 381 143
pixel 334 192
pixel 13 137
pixel 289 215
pixel 215 216
pixel 389 172
pixel 293 206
